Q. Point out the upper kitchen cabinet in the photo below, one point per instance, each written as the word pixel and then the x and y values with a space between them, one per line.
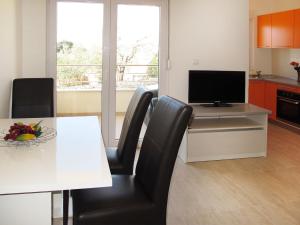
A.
pixel 283 29
pixel 279 30
pixel 264 31
pixel 297 29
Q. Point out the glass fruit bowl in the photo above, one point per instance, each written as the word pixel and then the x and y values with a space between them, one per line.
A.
pixel 20 134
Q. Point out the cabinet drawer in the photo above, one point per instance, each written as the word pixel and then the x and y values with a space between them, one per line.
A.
pixel 226 145
pixel 296 29
pixel 271 98
pixel 257 92
pixel 283 29
pixel 264 31
pixel 288 88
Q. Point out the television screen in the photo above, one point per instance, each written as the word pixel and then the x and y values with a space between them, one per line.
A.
pixel 216 86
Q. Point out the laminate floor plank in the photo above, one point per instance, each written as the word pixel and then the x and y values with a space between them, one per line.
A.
pixel 253 191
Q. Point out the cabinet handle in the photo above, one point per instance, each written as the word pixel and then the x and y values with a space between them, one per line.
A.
pixel 289 101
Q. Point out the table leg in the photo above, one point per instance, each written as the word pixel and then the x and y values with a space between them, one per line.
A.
pixel 65 207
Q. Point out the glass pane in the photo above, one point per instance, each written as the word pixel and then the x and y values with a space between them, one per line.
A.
pixel 137 55
pixel 79 58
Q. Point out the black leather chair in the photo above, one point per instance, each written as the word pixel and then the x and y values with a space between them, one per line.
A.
pixel 32 97
pixel 151 106
pixel 121 159
pixel 139 199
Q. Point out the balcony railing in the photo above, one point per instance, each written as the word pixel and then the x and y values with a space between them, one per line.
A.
pixel 90 76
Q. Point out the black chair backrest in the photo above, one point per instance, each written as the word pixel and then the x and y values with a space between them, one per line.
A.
pixel 160 147
pixel 131 128
pixel 32 97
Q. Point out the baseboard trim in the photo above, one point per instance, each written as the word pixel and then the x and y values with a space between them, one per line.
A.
pixel 226 157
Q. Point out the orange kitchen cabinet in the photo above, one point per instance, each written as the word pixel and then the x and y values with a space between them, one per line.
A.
pixel 257 92
pixel 271 98
pixel 283 29
pixel 264 31
pixel 297 29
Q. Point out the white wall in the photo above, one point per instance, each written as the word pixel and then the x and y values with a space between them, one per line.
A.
pixel 8 51
pixel 269 6
pixel 22 44
pixel 33 38
pixel 281 59
pixel 206 34
pixel 275 61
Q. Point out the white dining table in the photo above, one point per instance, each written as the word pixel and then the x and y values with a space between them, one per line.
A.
pixel 74 159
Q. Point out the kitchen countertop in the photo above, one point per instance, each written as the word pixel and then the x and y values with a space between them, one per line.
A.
pixel 276 79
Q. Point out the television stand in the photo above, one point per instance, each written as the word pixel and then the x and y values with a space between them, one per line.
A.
pixel 217 133
pixel 217 104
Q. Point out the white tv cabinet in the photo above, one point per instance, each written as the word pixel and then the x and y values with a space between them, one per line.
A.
pixel 217 133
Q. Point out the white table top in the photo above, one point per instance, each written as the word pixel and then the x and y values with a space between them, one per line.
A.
pixel 74 159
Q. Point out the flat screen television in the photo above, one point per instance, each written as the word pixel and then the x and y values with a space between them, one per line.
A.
pixel 216 88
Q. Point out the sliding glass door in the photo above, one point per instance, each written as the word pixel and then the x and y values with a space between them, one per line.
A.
pixel 79 58
pixel 105 49
pixel 137 55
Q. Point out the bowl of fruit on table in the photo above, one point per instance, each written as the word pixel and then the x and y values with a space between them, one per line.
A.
pixel 22 132
pixel 33 133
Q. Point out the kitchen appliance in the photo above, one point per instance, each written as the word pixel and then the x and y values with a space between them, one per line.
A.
pixel 288 106
pixel 216 87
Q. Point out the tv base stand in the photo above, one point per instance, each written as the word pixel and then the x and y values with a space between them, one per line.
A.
pixel 217 104
pixel 217 133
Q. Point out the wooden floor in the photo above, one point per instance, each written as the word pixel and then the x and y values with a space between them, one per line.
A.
pixel 256 191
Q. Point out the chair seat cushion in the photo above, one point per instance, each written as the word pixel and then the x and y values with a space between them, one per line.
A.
pixel 125 201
